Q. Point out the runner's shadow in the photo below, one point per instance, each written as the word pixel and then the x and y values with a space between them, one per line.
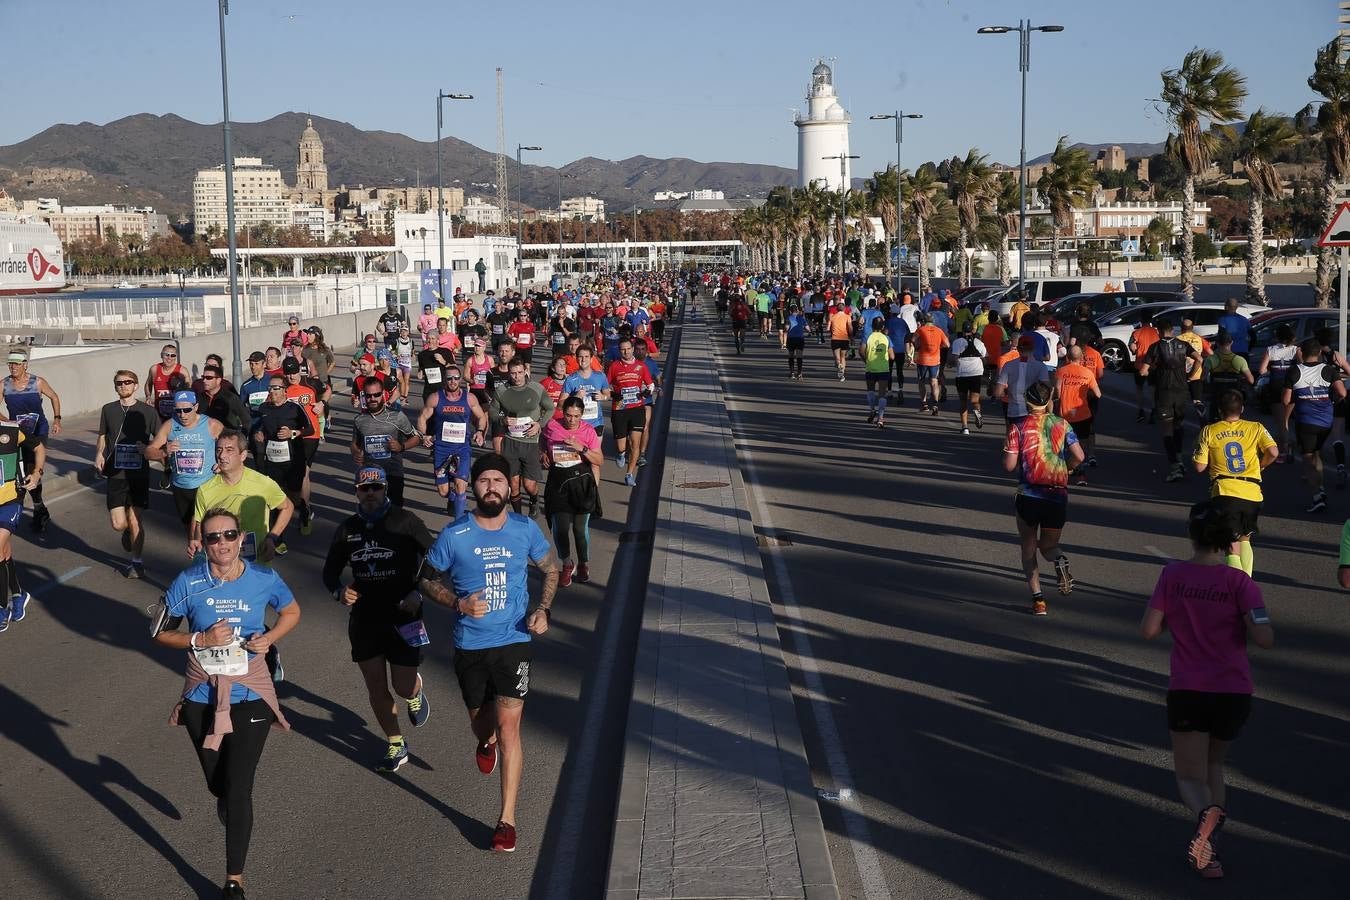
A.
pixel 33 729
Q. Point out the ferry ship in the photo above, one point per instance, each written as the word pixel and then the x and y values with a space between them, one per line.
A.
pixel 31 260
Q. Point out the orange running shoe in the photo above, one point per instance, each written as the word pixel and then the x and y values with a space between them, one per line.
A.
pixel 1201 850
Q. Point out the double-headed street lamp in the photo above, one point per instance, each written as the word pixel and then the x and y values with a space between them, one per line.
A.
pixel 1024 29
pixel 520 211
pixel 238 368
pixel 440 198
pixel 843 192
pixel 899 117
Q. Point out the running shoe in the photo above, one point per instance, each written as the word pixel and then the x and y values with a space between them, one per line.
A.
pixel 583 573
pixel 1063 576
pixel 419 709
pixel 1079 478
pixel 486 757
pixel 934 409
pixel 1176 473
pixel 642 460
pixel 622 460
pixel 134 571
pixel 504 838
pixel 881 423
pixel 18 605
pixel 630 480
pixel 841 376
pixel 280 548
pixel 965 431
pixel 872 417
pixel 1092 462
pixel 4 618
pixel 395 756
pixel 565 579
pixel 1201 850
pixel 1319 503
pixel 1215 868
pixel 979 418
pixel 233 891
pixel 274 666
pixel 1038 608
pixel 306 520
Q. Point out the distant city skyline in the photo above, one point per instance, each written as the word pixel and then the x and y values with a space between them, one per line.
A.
pixel 615 84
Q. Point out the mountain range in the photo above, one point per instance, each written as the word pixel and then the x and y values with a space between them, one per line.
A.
pixel 150 160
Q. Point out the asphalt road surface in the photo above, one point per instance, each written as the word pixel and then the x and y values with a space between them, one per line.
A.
pixel 982 752
pixel 100 798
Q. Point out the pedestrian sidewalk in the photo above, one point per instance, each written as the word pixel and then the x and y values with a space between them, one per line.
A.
pixel 716 798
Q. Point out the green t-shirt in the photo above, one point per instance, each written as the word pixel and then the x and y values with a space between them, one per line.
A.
pixel 876 356
pixel 763 302
pixel 1345 544
pixel 253 499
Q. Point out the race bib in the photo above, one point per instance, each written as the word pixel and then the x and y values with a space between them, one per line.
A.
pixel 498 329
pixel 230 659
pixel 525 338
pixel 414 634
pixel 256 399
pixel 559 338
pixel 432 374
pixel 189 462
pixel 517 426
pixel 164 403
pixel 27 422
pixel 377 446
pixel 249 548
pixel 278 451
pixel 564 457
pixel 127 457
pixel 629 396
pixel 590 407
pixel 392 327
pixel 454 432
pixel 480 378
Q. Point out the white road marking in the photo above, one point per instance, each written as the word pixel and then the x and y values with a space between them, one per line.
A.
pixel 865 856
pixel 62 579
pixel 71 493
pixel 1156 552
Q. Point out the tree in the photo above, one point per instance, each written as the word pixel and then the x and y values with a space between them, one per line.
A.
pixel 1331 124
pixel 1262 138
pixel 1203 90
pixel 970 181
pixel 1204 248
pixel 1007 199
pixel 1064 186
pixel 920 191
pixel 881 192
pixel 1158 237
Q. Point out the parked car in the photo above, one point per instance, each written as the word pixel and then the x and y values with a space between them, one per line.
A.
pixel 1119 325
pixel 1046 290
pixel 980 295
pixel 1102 303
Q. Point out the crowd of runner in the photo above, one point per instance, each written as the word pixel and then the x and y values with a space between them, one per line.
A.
pixel 516 394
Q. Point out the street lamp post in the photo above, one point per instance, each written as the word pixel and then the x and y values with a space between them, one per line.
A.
pixel 238 367
pixel 843 192
pixel 520 218
pixel 899 116
pixel 440 194
pixel 182 309
pixel 561 176
pixel 1024 29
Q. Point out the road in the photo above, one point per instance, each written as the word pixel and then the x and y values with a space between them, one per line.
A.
pixel 98 794
pixel 993 754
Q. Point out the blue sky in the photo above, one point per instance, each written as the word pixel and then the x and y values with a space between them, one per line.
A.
pixel 620 79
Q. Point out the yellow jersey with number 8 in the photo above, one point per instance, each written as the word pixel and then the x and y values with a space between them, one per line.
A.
pixel 1233 450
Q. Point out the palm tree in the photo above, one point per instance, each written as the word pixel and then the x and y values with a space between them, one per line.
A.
pixel 1203 88
pixel 1331 79
pixel 921 189
pixel 1158 236
pixel 881 189
pixel 1063 187
pixel 1263 137
pixel 1007 198
pixel 858 207
pixel 817 206
pixel 970 182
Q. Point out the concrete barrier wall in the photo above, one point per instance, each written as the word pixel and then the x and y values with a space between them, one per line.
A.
pixel 84 380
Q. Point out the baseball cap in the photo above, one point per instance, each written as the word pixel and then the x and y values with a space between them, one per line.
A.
pixel 1026 342
pixel 366 357
pixel 369 337
pixel 290 365
pixel 370 475
pixel 256 356
pixel 185 397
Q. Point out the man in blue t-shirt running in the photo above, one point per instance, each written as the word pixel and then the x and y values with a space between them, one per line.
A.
pixel 486 555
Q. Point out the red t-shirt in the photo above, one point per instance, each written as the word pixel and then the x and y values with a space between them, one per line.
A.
pixel 1204 607
pixel 553 388
pixel 522 333
pixel 627 380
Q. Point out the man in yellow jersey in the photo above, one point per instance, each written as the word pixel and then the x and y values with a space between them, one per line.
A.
pixel 1234 451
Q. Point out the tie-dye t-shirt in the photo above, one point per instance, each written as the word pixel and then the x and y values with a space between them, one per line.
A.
pixel 1042 443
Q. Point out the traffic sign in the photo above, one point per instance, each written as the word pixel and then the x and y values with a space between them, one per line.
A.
pixel 1338 230
pixel 1129 247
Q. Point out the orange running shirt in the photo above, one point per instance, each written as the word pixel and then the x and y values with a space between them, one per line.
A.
pixel 928 343
pixel 1093 360
pixel 841 325
pixel 1145 336
pixel 1074 382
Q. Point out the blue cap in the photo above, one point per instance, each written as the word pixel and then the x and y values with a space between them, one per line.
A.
pixel 370 475
pixel 185 397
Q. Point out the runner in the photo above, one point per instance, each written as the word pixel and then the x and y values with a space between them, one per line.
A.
pixel 1313 388
pixel 629 381
pixel 228 703
pixel 485 555
pixel 432 360
pixel 279 437
pixel 519 409
pixel 1168 361
pixel 384 545
pixel 740 315
pixel 14 476
pixel 379 438
pixel 970 354
pixel 23 393
pixel 444 426
pixel 643 355
pixel 126 426
pixel 312 396
pixel 552 383
pixel 218 400
pixel 1195 367
pixel 392 321
pixel 841 334
pixel 1235 451
pixel 1043 448
pixel 260 504
pixel 293 335
pixel 403 360
pixel 929 343
pixel 186 444
pixel 878 357
pixel 1212 611
pixel 158 393
pixel 1279 358
pixel 1225 371
pixel 571 493
pixel 1144 337
pixel 1077 387
pixel 794 341
pixel 254 389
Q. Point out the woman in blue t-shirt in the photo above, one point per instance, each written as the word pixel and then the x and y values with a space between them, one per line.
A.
pixel 228 702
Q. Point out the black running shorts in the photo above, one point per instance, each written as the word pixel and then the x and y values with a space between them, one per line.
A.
pixel 124 491
pixel 372 638
pixel 1221 716
pixel 878 381
pixel 968 384
pixel 1172 407
pixel 1040 513
pixel 628 420
pixel 838 345
pixel 1310 437
pixel 1242 513
pixel 493 672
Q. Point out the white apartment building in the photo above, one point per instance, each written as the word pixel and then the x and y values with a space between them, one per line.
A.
pixel 590 208
pixel 1126 219
pixel 259 196
pixel 478 211
pixel 313 218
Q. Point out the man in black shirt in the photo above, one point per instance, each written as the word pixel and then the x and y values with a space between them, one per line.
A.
pixel 384 545
pixel 391 320
pixel 218 400
pixel 125 427
pixel 1166 360
pixel 497 322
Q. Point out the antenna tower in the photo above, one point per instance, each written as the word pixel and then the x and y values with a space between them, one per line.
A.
pixel 503 194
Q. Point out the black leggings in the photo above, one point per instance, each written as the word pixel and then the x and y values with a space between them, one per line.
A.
pixel 579 524
pixel 229 770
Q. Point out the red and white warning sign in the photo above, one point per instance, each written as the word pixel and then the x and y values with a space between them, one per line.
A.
pixel 1338 231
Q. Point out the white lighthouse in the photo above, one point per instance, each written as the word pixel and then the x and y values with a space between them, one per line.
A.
pixel 822 131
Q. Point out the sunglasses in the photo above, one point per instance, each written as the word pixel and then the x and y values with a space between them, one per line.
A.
pixel 375 396
pixel 215 537
pixel 276 387
pixel 123 383
pixel 183 410
pixel 210 378
pixel 169 355
pixel 454 377
pixel 369 488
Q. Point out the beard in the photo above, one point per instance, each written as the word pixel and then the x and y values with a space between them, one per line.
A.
pixel 491 504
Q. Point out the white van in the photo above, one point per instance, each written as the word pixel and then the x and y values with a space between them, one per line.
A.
pixel 1047 290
